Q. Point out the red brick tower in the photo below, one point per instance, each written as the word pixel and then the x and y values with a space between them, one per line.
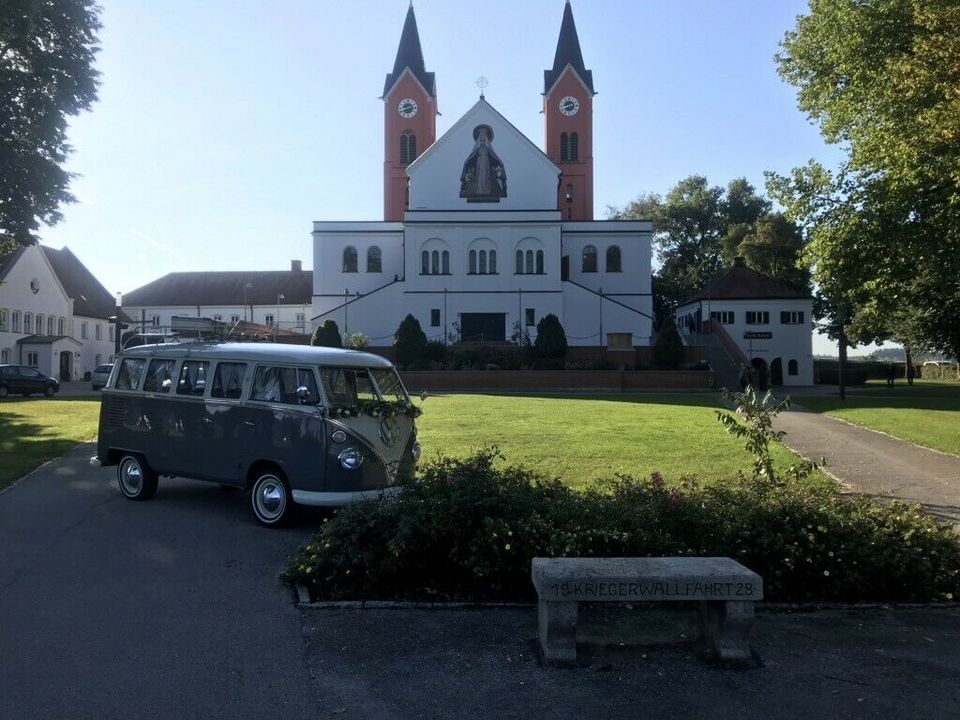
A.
pixel 568 114
pixel 409 118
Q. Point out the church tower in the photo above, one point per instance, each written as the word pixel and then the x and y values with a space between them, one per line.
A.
pixel 568 115
pixel 409 120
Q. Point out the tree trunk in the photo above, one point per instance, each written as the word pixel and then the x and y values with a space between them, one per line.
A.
pixel 909 369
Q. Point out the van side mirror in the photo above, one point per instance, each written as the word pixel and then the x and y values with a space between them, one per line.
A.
pixel 303 393
pixel 423 395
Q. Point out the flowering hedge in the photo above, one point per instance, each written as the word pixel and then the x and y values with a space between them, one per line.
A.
pixel 467 530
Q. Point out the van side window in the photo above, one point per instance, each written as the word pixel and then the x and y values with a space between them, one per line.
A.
pixel 159 376
pixel 193 378
pixel 279 384
pixel 228 380
pixel 131 370
pixel 345 386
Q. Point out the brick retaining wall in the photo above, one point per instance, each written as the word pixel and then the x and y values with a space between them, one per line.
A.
pixel 556 380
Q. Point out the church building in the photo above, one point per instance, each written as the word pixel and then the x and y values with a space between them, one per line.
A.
pixel 483 232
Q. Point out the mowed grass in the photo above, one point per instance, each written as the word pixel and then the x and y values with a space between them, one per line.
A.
pixel 926 414
pixel 33 431
pixel 583 439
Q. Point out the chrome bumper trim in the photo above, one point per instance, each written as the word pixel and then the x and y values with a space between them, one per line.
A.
pixel 338 499
pixel 95 461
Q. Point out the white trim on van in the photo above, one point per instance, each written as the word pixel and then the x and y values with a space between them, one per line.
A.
pixel 337 499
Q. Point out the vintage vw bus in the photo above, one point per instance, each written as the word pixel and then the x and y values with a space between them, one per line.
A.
pixel 290 423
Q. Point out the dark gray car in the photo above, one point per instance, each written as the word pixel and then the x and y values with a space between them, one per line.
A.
pixel 26 381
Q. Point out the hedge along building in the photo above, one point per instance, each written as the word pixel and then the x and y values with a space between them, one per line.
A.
pixel 483 232
pixel 770 322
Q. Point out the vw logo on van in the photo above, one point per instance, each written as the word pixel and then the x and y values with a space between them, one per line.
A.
pixel 389 431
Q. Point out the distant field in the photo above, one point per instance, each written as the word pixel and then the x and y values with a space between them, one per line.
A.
pixel 927 414
pixel 582 439
pixel 33 431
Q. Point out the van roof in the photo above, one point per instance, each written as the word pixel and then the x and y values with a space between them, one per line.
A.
pixel 263 352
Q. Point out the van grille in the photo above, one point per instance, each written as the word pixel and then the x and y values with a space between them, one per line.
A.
pixel 116 411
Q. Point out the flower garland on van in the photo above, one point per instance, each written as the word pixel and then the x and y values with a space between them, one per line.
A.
pixel 375 408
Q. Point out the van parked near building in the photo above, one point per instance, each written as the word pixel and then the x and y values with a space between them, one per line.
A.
pixel 291 424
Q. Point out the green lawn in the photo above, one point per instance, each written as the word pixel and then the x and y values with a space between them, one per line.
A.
pixel 927 414
pixel 584 438
pixel 33 431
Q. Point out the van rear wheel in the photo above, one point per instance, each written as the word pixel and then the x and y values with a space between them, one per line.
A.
pixel 137 481
pixel 270 498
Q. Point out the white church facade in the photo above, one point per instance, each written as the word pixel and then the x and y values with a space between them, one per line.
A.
pixel 484 233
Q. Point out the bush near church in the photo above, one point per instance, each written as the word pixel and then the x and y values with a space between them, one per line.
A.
pixel 668 347
pixel 468 529
pixel 409 343
pixel 327 335
pixel 551 342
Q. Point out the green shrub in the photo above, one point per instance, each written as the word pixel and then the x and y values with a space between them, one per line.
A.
pixel 468 529
pixel 356 341
pixel 409 342
pixel 435 351
pixel 551 342
pixel 327 335
pixel 667 347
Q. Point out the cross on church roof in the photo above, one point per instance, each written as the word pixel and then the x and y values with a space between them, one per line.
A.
pixel 481 83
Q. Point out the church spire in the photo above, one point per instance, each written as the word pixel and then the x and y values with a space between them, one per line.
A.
pixel 568 53
pixel 410 55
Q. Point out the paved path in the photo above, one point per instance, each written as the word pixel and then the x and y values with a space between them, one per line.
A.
pixel 875 463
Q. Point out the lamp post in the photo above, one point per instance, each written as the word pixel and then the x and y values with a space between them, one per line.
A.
pixel 246 286
pixel 276 322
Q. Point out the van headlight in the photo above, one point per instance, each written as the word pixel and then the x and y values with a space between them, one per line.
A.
pixel 351 458
pixel 415 450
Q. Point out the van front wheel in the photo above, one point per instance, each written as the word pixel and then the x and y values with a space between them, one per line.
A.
pixel 137 481
pixel 270 499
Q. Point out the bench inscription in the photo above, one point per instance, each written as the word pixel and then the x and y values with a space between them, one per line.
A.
pixel 660 589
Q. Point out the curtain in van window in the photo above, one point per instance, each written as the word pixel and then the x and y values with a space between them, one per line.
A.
pixel 228 380
pixel 159 372
pixel 193 377
pixel 131 370
pixel 279 384
pixel 345 386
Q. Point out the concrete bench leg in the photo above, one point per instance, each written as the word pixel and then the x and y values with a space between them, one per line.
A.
pixel 725 629
pixel 558 630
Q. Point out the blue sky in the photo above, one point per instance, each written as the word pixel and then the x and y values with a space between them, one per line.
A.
pixel 224 128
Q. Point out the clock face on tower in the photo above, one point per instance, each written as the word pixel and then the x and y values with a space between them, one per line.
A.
pixel 407 108
pixel 569 105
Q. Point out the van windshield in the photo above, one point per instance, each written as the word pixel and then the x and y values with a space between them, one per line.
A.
pixel 349 387
pixel 390 386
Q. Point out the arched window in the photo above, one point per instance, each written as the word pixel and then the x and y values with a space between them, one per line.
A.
pixel 528 265
pixel 493 262
pixel 574 150
pixel 435 262
pixel 792 368
pixel 589 264
pixel 50 320
pixel 28 322
pixel 350 259
pixel 472 269
pixel 374 260
pixel 39 325
pixel 425 262
pixel 445 261
pixel 482 269
pixel 613 259
pixel 15 321
pixel 408 148
pixel 539 262
pixel 60 324
pixel 564 147
pixel 519 270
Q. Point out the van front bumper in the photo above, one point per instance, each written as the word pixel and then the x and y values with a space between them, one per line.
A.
pixel 95 461
pixel 339 499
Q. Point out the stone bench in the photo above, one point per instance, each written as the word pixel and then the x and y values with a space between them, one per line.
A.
pixel 725 589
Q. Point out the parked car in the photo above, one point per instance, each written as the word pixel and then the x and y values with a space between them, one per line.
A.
pixel 26 381
pixel 100 376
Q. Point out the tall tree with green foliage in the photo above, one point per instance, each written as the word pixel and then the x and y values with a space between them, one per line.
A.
pixel 696 231
pixel 551 342
pixel 773 247
pixel 47 51
pixel 881 79
pixel 667 346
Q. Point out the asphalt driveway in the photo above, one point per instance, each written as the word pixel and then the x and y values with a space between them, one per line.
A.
pixel 170 608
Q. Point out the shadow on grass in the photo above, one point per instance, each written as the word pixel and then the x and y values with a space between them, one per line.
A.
pixel 919 397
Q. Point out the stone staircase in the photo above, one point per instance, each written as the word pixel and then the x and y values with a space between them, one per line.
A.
pixel 726 370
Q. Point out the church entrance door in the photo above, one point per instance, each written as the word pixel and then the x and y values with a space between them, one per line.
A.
pixel 483 327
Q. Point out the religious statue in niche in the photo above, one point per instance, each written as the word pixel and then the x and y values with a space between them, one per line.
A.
pixel 483 178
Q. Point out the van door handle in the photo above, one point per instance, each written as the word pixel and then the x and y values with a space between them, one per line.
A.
pixel 250 423
pixel 207 420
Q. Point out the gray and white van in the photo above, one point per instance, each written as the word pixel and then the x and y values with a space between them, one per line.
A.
pixel 291 424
